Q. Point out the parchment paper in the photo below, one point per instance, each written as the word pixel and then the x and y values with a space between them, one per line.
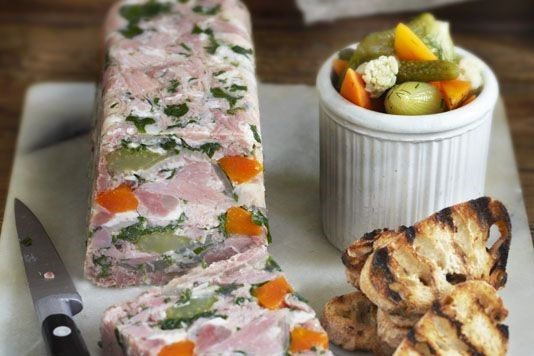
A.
pixel 50 175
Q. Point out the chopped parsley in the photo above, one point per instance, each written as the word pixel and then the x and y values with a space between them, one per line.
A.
pixel 222 224
pixel 209 148
pixel 185 296
pixel 199 250
pixel 271 265
pixel 104 263
pixel 177 110
pixel 221 94
pixel 227 289
pixel 186 47
pixel 236 87
pixel 211 48
pixel 241 300
pixel 134 232
pixel 207 11
pixel 240 50
pixel 135 13
pixel 176 323
pixel 26 242
pixel 173 85
pixel 259 219
pixel 140 122
pixel 172 172
pixel 255 132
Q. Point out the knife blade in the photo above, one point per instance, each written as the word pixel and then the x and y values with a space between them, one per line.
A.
pixel 54 296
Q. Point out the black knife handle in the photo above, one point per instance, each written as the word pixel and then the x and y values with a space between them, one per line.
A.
pixel 62 336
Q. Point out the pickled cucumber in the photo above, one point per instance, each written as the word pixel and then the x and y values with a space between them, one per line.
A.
pixel 162 241
pixel 413 98
pixel 374 45
pixel 191 309
pixel 127 159
pixel 427 71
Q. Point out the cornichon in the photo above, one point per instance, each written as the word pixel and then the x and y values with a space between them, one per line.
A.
pixel 192 308
pixel 162 241
pixel 126 159
pixel 427 71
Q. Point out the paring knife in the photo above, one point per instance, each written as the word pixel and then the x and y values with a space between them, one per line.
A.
pixel 54 296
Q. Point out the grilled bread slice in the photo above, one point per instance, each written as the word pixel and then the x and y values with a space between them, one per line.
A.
pixel 405 271
pixel 466 322
pixel 350 321
pixel 388 333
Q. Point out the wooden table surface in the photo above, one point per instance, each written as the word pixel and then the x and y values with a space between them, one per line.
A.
pixel 58 40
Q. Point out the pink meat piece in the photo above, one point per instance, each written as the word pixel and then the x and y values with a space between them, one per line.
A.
pixel 197 183
pixel 155 203
pixel 210 335
pixel 263 336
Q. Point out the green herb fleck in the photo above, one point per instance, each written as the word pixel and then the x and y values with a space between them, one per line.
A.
pixel 236 87
pixel 209 148
pixel 227 289
pixel 241 300
pixel 173 85
pixel 241 50
pixel 207 11
pixel 104 263
pixel 135 13
pixel 172 172
pixel 259 219
pixel 211 48
pixel 271 265
pixel 167 260
pixel 222 224
pixel 199 250
pixel 185 296
pixel 135 231
pixel 186 47
pixel 140 122
pixel 255 132
pixel 178 110
pixel 120 341
pixel 216 74
pixel 221 94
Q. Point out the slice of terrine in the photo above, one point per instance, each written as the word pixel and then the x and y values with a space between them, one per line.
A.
pixel 178 176
pixel 240 306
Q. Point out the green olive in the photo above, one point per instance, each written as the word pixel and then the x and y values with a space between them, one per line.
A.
pixel 413 98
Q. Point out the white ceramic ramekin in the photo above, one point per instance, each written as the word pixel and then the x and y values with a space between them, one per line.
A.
pixel 380 170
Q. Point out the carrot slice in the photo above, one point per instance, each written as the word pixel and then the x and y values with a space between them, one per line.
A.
pixel 118 200
pixel 271 294
pixel 303 339
pixel 181 348
pixel 239 221
pixel 410 47
pixel 240 169
pixel 353 89
pixel 339 65
pixel 454 92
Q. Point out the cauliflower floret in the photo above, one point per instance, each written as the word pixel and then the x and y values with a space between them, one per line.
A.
pixel 471 71
pixel 379 74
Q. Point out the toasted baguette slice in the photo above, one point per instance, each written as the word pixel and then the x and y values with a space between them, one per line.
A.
pixel 466 322
pixel 350 321
pixel 407 270
pixel 388 333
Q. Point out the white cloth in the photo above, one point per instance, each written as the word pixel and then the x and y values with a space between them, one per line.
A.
pixel 329 10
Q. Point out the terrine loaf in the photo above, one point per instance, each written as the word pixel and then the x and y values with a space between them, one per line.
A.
pixel 178 176
pixel 240 306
